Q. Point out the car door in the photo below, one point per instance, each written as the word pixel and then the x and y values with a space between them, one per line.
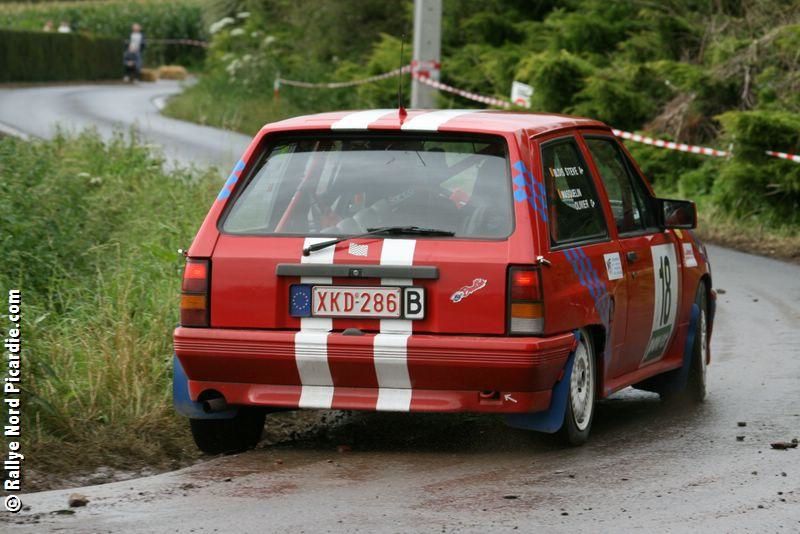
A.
pixel 649 257
pixel 584 284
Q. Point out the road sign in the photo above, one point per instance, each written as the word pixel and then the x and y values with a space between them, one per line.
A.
pixel 521 94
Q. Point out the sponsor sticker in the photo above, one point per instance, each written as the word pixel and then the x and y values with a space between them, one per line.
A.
pixel 358 250
pixel 688 255
pixel 464 292
pixel 613 265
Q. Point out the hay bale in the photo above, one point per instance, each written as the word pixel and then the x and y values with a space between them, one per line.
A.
pixel 172 72
pixel 149 75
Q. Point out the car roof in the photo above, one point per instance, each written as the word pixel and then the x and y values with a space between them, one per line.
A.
pixel 455 120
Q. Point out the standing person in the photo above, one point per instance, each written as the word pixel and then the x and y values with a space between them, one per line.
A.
pixel 48 26
pixel 64 27
pixel 136 46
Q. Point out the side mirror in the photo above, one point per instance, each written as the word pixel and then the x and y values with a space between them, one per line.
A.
pixel 677 213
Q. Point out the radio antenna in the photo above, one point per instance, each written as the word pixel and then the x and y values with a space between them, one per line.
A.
pixel 401 111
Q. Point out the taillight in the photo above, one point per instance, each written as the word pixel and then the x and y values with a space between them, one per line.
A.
pixel 526 310
pixel 194 293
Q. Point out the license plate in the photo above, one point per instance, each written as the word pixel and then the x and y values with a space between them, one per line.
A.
pixel 368 302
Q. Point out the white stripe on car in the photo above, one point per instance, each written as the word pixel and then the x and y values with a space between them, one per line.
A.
pixel 390 346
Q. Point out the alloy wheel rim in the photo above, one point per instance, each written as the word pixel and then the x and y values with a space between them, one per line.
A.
pixel 582 387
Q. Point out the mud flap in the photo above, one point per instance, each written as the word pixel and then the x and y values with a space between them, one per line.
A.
pixel 682 378
pixel 712 311
pixel 550 420
pixel 184 405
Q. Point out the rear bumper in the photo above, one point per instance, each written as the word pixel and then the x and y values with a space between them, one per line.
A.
pixel 426 373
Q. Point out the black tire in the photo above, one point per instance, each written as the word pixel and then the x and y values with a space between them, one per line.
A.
pixel 696 383
pixel 224 436
pixel 582 393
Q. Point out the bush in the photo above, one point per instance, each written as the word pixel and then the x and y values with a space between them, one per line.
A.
pixel 556 76
pixel 29 56
pixel 664 168
pixel 699 182
pixel 752 182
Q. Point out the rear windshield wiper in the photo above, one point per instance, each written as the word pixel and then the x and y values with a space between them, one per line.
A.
pixel 391 230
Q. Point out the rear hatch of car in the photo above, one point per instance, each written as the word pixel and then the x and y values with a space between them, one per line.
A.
pixel 441 212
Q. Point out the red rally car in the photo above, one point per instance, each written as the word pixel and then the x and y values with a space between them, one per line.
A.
pixel 438 261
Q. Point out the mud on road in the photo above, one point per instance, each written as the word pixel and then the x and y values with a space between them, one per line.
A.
pixel 647 465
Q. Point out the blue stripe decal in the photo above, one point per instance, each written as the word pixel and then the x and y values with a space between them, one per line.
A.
pixel 529 189
pixel 584 275
pixel 600 290
pixel 590 279
pixel 227 188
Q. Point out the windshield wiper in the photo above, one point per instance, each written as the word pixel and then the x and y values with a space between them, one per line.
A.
pixel 391 230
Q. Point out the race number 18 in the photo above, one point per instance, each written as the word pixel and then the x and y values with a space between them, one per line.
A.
pixel 665 276
pixel 665 300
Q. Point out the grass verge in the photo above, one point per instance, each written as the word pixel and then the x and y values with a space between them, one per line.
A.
pixel 213 103
pixel 749 236
pixel 89 235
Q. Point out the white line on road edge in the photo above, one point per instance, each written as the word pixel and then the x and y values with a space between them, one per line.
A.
pixel 10 130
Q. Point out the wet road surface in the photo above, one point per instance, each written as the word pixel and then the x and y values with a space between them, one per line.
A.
pixel 41 110
pixel 647 465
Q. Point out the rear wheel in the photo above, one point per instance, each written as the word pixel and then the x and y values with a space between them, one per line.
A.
pixel 582 394
pixel 240 433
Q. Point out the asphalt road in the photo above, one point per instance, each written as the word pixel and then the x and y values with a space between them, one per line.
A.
pixel 648 465
pixel 40 111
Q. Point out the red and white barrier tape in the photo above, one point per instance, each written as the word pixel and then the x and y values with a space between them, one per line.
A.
pixel 492 101
pixel 189 42
pixel 784 155
pixel 460 92
pixel 682 147
pixel 337 85
pixel 396 72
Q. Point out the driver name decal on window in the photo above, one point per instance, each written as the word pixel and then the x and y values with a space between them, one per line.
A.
pixel 559 172
pixel 573 199
pixel 575 212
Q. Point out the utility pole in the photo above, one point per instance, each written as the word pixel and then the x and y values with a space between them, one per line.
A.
pixel 427 51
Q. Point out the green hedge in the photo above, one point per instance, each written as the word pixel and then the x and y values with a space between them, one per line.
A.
pixel 174 19
pixel 28 56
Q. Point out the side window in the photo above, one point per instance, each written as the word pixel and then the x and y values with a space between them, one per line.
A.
pixel 630 201
pixel 575 210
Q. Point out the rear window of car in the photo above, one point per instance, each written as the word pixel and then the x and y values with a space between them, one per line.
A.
pixel 336 186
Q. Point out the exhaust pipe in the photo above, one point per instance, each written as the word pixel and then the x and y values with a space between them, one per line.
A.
pixel 217 404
